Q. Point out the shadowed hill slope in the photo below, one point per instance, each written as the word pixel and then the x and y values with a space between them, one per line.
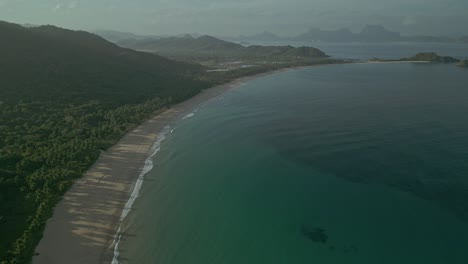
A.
pixel 210 46
pixel 48 62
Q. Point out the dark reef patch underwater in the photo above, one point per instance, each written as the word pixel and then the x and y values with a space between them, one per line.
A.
pixel 317 234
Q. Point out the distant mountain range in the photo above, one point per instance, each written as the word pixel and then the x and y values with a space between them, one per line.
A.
pixel 114 36
pixel 264 36
pixel 323 35
pixel 370 33
pixel 208 46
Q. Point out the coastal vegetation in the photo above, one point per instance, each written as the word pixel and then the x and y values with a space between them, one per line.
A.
pixel 66 96
pixel 463 63
pixel 368 34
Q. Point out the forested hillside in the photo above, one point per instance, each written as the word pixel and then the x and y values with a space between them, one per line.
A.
pixel 64 97
pixel 206 47
pixel 47 61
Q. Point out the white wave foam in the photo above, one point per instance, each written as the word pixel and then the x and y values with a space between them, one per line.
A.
pixel 136 191
pixel 188 116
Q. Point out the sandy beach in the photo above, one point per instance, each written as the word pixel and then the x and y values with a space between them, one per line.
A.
pixel 85 222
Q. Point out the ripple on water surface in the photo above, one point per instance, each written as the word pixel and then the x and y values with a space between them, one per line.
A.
pixel 335 164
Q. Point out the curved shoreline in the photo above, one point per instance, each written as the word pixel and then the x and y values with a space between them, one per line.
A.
pixel 136 192
pixel 86 223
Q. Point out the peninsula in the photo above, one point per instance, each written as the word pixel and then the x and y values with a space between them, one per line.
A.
pixel 429 57
pixel 214 52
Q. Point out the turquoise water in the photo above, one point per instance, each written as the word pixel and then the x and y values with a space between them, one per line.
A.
pixel 375 156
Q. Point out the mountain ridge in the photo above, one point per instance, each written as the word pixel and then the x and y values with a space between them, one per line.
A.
pixel 210 46
pixel 369 33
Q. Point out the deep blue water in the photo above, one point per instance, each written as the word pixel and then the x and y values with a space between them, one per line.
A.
pixel 362 163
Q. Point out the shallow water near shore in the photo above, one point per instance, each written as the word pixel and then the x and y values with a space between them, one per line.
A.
pixel 376 156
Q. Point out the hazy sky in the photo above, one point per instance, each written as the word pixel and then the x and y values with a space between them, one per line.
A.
pixel 233 17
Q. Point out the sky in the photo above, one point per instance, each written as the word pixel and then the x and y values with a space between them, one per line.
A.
pixel 234 17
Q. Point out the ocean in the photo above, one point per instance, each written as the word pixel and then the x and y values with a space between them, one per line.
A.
pixel 357 163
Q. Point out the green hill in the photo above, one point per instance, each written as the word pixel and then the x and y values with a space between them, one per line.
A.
pixel 64 96
pixel 211 47
pixel 43 62
pixel 185 44
pixel 431 57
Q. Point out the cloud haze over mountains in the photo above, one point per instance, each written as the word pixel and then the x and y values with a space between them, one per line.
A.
pixel 226 17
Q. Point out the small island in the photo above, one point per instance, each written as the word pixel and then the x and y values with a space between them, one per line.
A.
pixel 463 63
pixel 429 57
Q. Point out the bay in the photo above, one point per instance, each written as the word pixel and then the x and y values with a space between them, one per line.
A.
pixel 371 157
